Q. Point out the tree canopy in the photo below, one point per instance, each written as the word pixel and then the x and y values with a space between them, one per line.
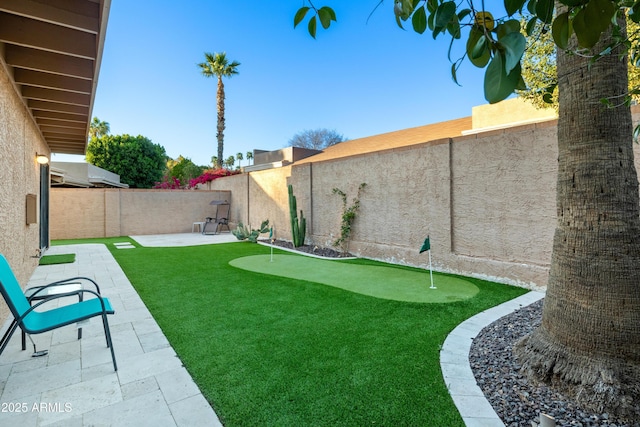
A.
pixel 183 169
pixel 316 139
pixel 539 71
pixel 139 162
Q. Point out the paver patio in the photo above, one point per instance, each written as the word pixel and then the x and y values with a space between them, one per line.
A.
pixel 75 384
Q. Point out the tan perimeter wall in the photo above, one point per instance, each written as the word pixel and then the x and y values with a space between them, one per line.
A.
pixel 19 176
pixel 487 201
pixel 107 212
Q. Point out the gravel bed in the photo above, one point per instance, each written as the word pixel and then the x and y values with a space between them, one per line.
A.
pixel 315 250
pixel 515 400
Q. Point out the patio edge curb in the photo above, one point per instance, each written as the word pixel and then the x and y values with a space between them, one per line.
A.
pixel 471 403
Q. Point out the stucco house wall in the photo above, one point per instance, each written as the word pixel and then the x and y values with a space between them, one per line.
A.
pixel 19 176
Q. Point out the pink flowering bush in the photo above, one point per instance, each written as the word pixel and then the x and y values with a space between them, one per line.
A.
pixel 172 183
pixel 210 175
pixel 169 184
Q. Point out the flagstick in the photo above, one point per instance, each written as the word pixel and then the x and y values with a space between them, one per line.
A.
pixel 273 239
pixel 431 271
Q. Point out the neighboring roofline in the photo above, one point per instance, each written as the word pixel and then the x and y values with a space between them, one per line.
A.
pixel 107 182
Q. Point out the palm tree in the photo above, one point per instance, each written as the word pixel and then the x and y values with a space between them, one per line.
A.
pixel 589 339
pixel 214 161
pixel 239 158
pixel 249 156
pixel 98 128
pixel 217 64
pixel 230 162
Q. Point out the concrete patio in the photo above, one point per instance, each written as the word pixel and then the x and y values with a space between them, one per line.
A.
pixel 75 384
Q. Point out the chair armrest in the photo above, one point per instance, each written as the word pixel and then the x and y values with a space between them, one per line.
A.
pixel 69 281
pixel 66 294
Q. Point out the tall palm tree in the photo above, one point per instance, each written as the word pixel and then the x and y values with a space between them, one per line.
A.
pixel 230 162
pixel 98 128
pixel 249 157
pixel 589 341
pixel 239 158
pixel 217 64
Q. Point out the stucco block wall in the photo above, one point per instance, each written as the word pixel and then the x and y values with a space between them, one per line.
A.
pixel 236 187
pixel 504 195
pixel 106 212
pixel 487 201
pixel 268 199
pixel 19 175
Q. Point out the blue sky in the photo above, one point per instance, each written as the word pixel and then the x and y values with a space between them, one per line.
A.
pixel 360 78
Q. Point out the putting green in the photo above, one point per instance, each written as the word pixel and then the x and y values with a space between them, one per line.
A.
pixel 377 281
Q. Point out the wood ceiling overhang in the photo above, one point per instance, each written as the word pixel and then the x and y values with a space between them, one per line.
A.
pixel 51 49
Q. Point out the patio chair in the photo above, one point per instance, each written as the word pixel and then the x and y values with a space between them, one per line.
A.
pixel 35 322
pixel 221 218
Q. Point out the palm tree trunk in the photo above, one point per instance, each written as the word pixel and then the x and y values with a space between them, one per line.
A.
pixel 221 125
pixel 588 344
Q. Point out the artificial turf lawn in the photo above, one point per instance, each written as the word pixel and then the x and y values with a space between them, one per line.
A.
pixel 388 282
pixel 57 259
pixel 268 350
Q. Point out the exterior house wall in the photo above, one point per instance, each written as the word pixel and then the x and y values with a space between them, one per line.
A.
pixel 19 176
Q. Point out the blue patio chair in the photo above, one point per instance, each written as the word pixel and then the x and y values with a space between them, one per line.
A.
pixel 36 322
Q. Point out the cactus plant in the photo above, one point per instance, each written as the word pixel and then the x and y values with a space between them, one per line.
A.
pixel 298 225
pixel 243 232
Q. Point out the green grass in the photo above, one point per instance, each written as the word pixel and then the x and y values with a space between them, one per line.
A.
pixel 57 259
pixel 269 350
pixel 380 281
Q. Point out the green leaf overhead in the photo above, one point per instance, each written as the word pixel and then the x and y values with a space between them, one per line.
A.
pixel 326 15
pixel 443 15
pixel 634 12
pixel 572 3
pixel 544 10
pixel 478 48
pixel 300 14
pixel 514 45
pixel 599 14
pixel 561 30
pixel 587 35
pixel 419 20
pixel 513 6
pixel 510 26
pixel 498 85
pixel 313 24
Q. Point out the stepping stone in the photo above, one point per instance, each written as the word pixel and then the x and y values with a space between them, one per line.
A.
pixel 123 245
